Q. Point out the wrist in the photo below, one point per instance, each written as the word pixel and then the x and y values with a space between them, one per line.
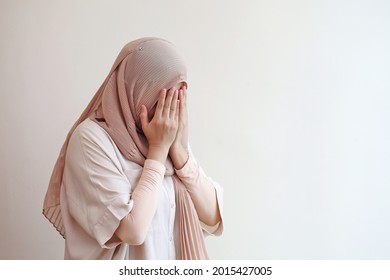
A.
pixel 159 153
pixel 179 157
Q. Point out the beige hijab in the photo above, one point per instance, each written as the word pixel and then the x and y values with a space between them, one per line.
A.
pixel 141 70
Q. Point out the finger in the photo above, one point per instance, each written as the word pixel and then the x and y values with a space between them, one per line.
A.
pixel 167 104
pixel 185 94
pixel 177 112
pixel 144 117
pixel 183 99
pixel 182 104
pixel 174 108
pixel 160 103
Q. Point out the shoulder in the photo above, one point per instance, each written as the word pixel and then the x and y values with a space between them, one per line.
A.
pixel 89 130
pixel 91 139
pixel 90 133
pixel 91 145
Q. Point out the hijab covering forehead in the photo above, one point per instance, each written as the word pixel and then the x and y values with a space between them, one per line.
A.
pixel 141 70
pixel 154 65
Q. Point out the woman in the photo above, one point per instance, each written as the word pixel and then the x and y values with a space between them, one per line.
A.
pixel 126 184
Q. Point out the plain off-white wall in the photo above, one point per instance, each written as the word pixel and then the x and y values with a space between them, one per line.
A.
pixel 289 111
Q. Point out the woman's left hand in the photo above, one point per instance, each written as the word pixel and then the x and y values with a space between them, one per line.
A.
pixel 179 148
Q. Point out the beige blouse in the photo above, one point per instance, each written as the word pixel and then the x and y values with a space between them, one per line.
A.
pixel 96 196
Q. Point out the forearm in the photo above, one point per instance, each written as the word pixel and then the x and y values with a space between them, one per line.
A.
pixel 134 227
pixel 202 192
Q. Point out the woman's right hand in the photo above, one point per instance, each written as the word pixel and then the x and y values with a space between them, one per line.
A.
pixel 161 130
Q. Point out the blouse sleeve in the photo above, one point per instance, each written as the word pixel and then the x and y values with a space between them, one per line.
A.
pixel 97 189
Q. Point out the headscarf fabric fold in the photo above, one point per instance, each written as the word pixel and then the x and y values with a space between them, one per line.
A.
pixel 141 70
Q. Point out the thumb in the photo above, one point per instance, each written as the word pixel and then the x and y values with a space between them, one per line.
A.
pixel 144 116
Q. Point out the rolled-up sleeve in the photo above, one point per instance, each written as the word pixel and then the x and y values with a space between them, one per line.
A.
pixel 98 191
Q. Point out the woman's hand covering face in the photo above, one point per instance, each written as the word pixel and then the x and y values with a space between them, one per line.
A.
pixel 162 129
